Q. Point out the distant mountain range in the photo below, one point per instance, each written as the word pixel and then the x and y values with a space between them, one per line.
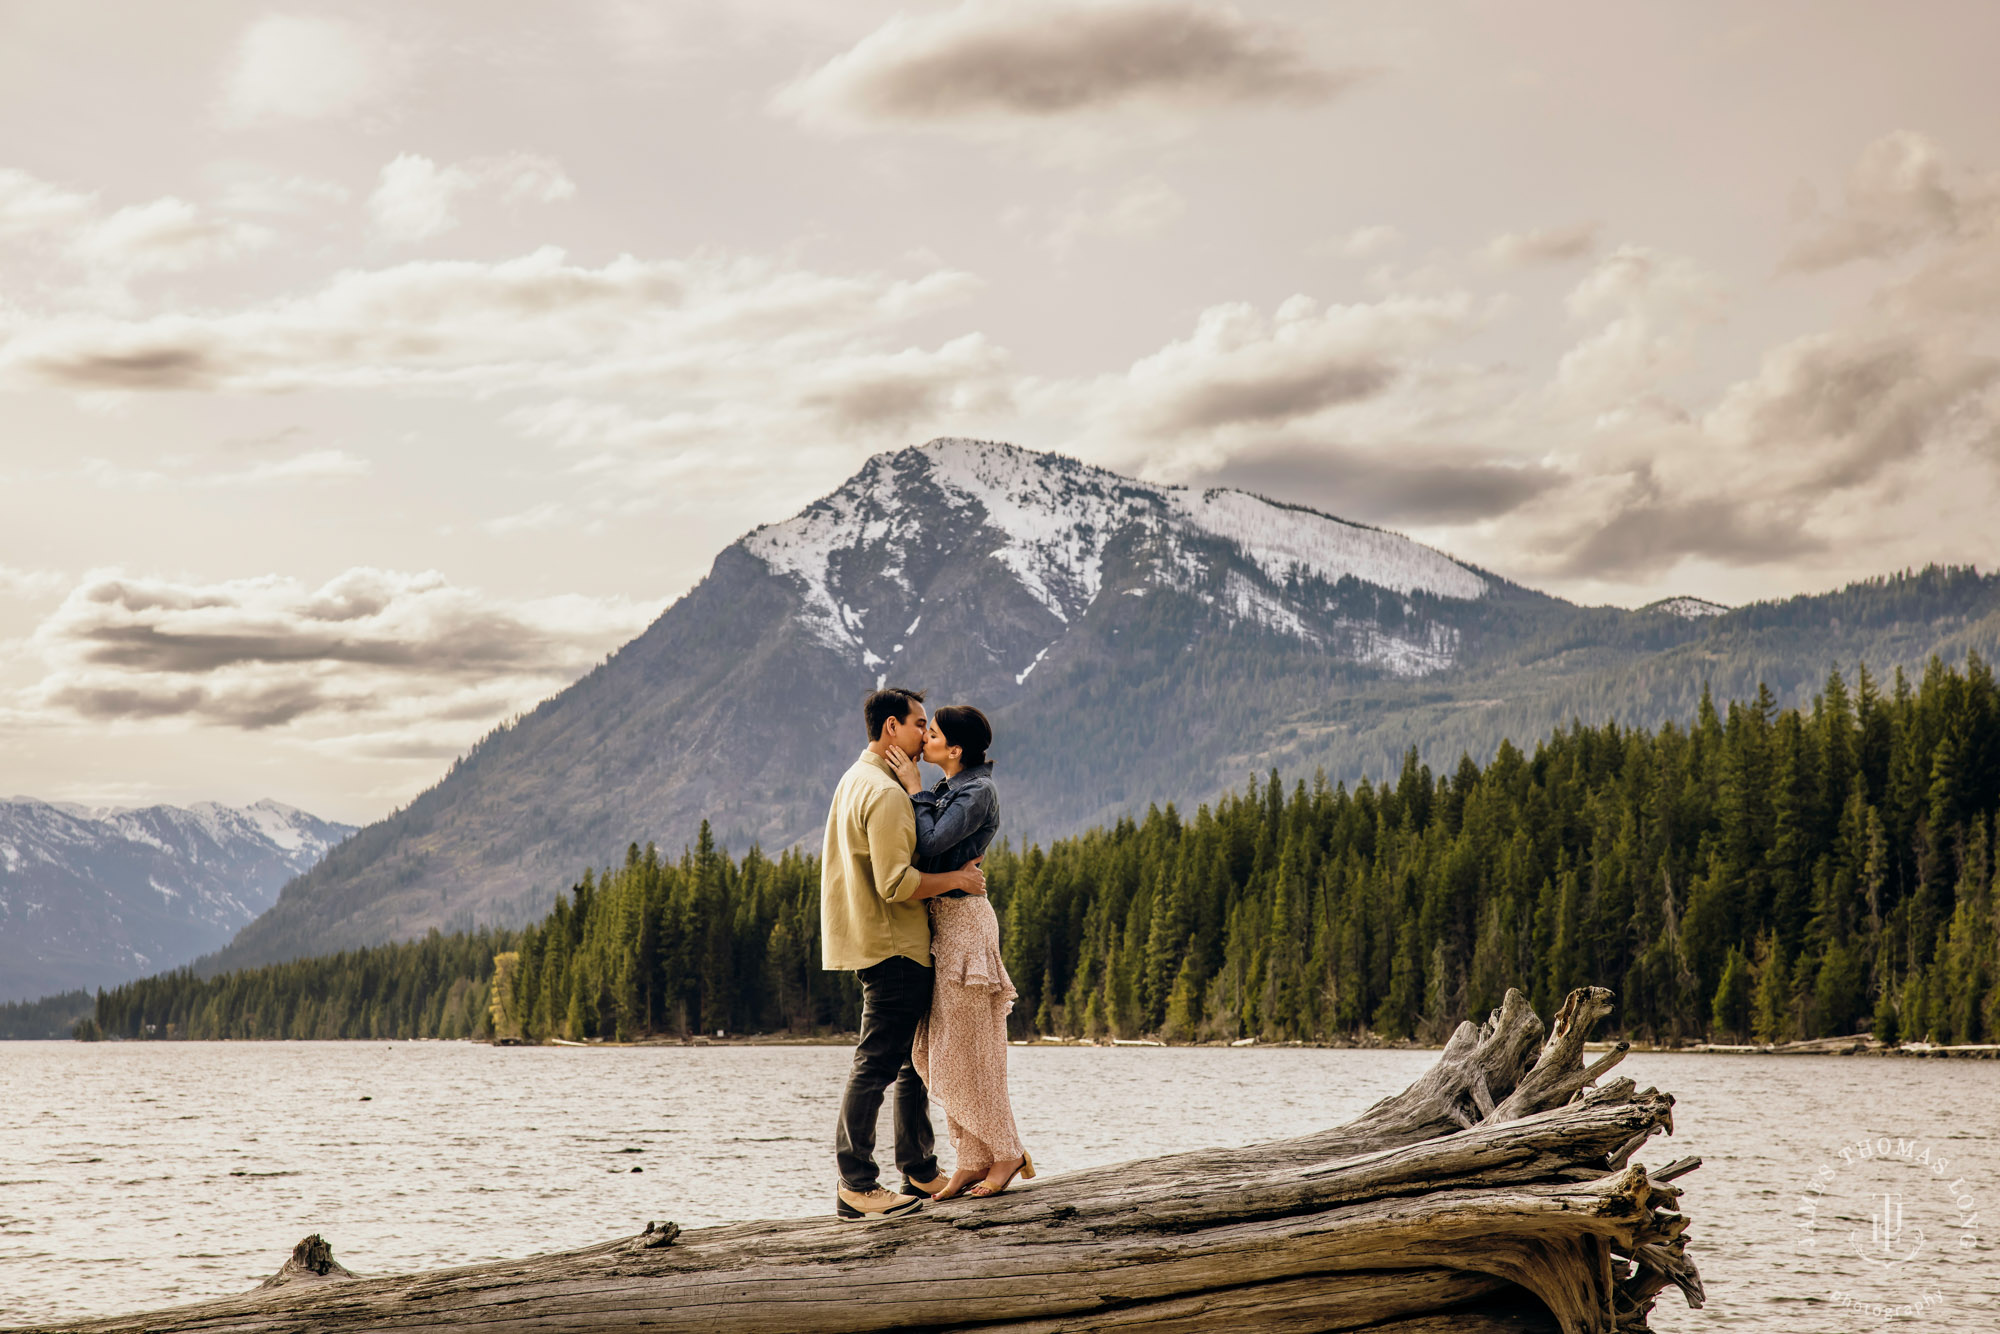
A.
pixel 91 897
pixel 1134 643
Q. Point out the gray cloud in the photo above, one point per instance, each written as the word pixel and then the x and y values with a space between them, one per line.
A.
pixel 1851 408
pixel 137 629
pixel 879 393
pixel 250 710
pixel 261 653
pixel 1647 531
pixel 1547 245
pixel 1279 394
pixel 1898 196
pixel 880 401
pixel 535 320
pixel 1405 486
pixel 160 367
pixel 1055 58
pixel 478 647
pixel 106 702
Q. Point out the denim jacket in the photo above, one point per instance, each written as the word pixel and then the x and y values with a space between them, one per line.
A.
pixel 956 820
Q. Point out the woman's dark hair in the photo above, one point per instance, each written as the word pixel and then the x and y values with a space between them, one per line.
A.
pixel 965 727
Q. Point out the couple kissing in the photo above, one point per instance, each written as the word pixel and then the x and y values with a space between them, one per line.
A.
pixel 903 906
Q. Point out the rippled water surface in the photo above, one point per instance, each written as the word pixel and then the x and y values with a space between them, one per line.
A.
pixel 143 1175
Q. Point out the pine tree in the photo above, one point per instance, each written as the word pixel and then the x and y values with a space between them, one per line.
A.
pixel 1731 1013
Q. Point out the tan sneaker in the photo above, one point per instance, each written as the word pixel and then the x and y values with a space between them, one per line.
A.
pixel 911 1186
pixel 872 1204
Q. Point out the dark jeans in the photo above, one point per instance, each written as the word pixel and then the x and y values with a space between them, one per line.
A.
pixel 895 994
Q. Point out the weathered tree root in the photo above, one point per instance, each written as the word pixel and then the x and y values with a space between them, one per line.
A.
pixel 310 1261
pixel 1494 1194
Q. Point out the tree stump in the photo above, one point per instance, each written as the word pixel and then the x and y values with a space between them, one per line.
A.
pixel 311 1261
pixel 1495 1194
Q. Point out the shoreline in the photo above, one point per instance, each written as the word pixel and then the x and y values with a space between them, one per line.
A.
pixel 1858 1045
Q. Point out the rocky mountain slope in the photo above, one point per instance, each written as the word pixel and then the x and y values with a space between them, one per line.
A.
pixel 89 897
pixel 1133 643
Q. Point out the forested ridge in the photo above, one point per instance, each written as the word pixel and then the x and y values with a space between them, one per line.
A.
pixel 1752 873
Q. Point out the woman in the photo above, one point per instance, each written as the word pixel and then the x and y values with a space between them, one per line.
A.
pixel 961 1048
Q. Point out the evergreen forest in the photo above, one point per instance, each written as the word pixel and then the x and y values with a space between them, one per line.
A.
pixel 1752 874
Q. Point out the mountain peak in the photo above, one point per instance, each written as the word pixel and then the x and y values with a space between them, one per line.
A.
pixel 1049 521
pixel 91 895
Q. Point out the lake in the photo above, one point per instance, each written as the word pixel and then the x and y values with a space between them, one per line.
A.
pixel 136 1175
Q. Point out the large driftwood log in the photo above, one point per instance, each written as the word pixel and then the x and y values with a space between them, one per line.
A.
pixel 1494 1194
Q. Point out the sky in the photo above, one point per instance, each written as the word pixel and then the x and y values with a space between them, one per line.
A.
pixel 369 371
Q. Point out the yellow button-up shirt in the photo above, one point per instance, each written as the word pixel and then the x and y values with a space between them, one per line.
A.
pixel 867 908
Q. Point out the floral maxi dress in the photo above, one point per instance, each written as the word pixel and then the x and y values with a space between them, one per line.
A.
pixel 961 1047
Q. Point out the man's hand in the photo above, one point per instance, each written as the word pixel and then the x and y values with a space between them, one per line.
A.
pixel 967 877
pixel 905 769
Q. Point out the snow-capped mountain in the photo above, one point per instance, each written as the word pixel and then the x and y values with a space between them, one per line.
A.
pixel 1133 644
pixel 90 896
pixel 863 556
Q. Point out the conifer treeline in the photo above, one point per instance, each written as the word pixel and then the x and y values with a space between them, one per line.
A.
pixel 437 987
pixel 1756 873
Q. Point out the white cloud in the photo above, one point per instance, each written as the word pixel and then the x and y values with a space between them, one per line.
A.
pixel 313 465
pixel 30 584
pixel 1366 242
pixel 368 649
pixel 415 199
pixel 310 466
pixel 1246 383
pixel 545 516
pixel 1242 371
pixel 1906 201
pixel 1144 207
pixel 291 67
pixel 29 206
pixel 1899 194
pixel 461 324
pixel 756 428
pixel 1656 305
pixel 267 192
pixel 166 235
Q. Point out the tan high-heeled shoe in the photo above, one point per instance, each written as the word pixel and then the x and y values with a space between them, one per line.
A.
pixel 986 1190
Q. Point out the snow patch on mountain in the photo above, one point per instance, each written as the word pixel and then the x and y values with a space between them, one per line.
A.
pixel 1688 608
pixel 1280 539
pixel 1401 655
pixel 804 545
pixel 1056 515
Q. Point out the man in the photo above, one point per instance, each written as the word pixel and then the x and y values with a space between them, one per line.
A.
pixel 873 922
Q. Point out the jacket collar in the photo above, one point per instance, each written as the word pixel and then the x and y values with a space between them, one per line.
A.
pixel 969 773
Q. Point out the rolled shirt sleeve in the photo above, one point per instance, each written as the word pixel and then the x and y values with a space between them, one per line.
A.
pixel 892 844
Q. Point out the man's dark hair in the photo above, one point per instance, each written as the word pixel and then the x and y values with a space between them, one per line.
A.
pixel 882 705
